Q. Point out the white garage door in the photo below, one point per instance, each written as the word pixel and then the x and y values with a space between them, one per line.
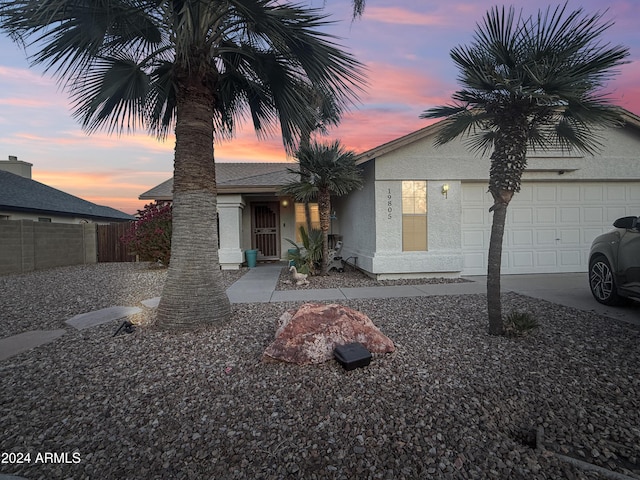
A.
pixel 550 225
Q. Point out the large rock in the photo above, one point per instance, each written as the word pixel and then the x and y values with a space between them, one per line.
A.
pixel 310 334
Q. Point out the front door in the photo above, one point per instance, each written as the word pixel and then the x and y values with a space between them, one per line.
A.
pixel 265 220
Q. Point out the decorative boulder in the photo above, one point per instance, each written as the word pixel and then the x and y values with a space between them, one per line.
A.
pixel 310 334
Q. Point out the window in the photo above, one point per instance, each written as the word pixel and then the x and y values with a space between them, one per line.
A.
pixel 414 216
pixel 44 219
pixel 4 217
pixel 300 218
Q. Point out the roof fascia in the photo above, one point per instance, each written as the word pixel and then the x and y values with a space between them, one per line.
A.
pixel 629 118
pixel 35 211
pixel 398 143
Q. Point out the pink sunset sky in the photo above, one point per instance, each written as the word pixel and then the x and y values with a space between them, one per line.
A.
pixel 405 45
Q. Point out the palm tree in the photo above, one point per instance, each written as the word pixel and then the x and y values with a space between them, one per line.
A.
pixel 528 83
pixel 199 66
pixel 331 170
pixel 324 112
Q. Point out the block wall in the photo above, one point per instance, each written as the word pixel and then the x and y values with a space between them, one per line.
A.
pixel 26 245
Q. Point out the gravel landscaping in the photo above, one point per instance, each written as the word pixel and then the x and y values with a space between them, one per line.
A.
pixel 351 278
pixel 450 402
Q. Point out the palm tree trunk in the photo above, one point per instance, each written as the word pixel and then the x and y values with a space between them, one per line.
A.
pixel 324 210
pixel 508 162
pixel 304 177
pixel 193 293
pixel 494 305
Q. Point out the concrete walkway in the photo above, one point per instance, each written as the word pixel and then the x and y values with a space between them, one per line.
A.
pixel 258 286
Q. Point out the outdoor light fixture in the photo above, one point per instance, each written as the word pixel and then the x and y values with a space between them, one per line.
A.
pixel 445 189
pixel 285 203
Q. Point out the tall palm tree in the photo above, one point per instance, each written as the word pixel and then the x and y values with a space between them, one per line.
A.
pixel 534 83
pixel 199 66
pixel 331 171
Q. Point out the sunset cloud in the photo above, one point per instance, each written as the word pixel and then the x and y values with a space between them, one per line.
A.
pixel 401 16
pixel 404 44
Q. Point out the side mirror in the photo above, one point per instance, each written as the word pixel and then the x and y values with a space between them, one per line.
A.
pixel 626 223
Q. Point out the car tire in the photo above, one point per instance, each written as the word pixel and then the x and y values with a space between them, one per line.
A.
pixel 602 281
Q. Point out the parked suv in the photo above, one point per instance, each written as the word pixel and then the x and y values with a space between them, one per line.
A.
pixel 614 263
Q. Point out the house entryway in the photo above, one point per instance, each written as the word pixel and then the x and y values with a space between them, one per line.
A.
pixel 265 233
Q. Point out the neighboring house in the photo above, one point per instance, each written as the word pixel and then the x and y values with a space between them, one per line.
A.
pixel 22 198
pixel 424 210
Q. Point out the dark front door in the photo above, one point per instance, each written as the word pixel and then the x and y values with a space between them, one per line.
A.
pixel 265 231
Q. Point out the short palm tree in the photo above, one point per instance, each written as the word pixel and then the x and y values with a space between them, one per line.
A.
pixel 200 67
pixel 324 112
pixel 330 170
pixel 528 83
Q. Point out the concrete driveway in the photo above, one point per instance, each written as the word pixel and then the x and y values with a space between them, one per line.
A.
pixel 569 289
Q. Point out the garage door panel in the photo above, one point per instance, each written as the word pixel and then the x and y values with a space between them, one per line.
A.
pixel 522 238
pixel 522 259
pixel 526 194
pixel 569 193
pixel 616 193
pixel 474 193
pixel 546 237
pixel 594 215
pixel 570 258
pixel 473 216
pixel 569 215
pixel 546 215
pixel 545 194
pixel 473 239
pixel 546 258
pixel 549 227
pixel 593 193
pixel 570 237
pixel 521 216
pixel 474 262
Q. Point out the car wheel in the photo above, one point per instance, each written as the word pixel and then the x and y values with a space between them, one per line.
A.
pixel 602 282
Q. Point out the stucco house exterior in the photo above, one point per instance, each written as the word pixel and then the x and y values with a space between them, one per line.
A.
pixel 424 210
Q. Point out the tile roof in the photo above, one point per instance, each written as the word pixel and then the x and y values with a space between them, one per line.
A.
pixel 22 194
pixel 235 178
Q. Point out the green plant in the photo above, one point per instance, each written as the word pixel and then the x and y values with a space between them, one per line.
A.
pixel 149 237
pixel 309 255
pixel 519 323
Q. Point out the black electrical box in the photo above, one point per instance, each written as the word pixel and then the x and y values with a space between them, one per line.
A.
pixel 352 355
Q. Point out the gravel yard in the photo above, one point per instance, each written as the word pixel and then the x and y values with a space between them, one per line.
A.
pixel 451 402
pixel 351 278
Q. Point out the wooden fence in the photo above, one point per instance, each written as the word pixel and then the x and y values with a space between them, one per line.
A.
pixel 110 247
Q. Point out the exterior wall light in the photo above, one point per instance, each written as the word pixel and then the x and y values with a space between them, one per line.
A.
pixel 445 189
pixel 285 203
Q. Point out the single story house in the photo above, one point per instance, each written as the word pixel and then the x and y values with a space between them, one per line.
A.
pixel 424 210
pixel 22 198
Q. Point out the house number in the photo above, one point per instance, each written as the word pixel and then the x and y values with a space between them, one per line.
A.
pixel 389 205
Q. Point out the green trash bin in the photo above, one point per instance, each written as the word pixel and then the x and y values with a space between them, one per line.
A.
pixel 291 252
pixel 252 258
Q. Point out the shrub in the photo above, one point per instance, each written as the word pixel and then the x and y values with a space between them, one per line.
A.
pixel 519 323
pixel 150 236
pixel 309 255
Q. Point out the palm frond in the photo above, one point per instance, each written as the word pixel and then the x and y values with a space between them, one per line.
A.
pixel 550 69
pixel 113 94
pixel 253 54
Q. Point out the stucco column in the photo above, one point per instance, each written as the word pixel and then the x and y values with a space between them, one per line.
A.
pixel 230 231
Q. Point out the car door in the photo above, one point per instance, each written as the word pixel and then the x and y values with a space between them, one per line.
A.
pixel 629 260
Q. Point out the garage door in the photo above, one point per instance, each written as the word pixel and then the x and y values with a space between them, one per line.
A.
pixel 550 225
